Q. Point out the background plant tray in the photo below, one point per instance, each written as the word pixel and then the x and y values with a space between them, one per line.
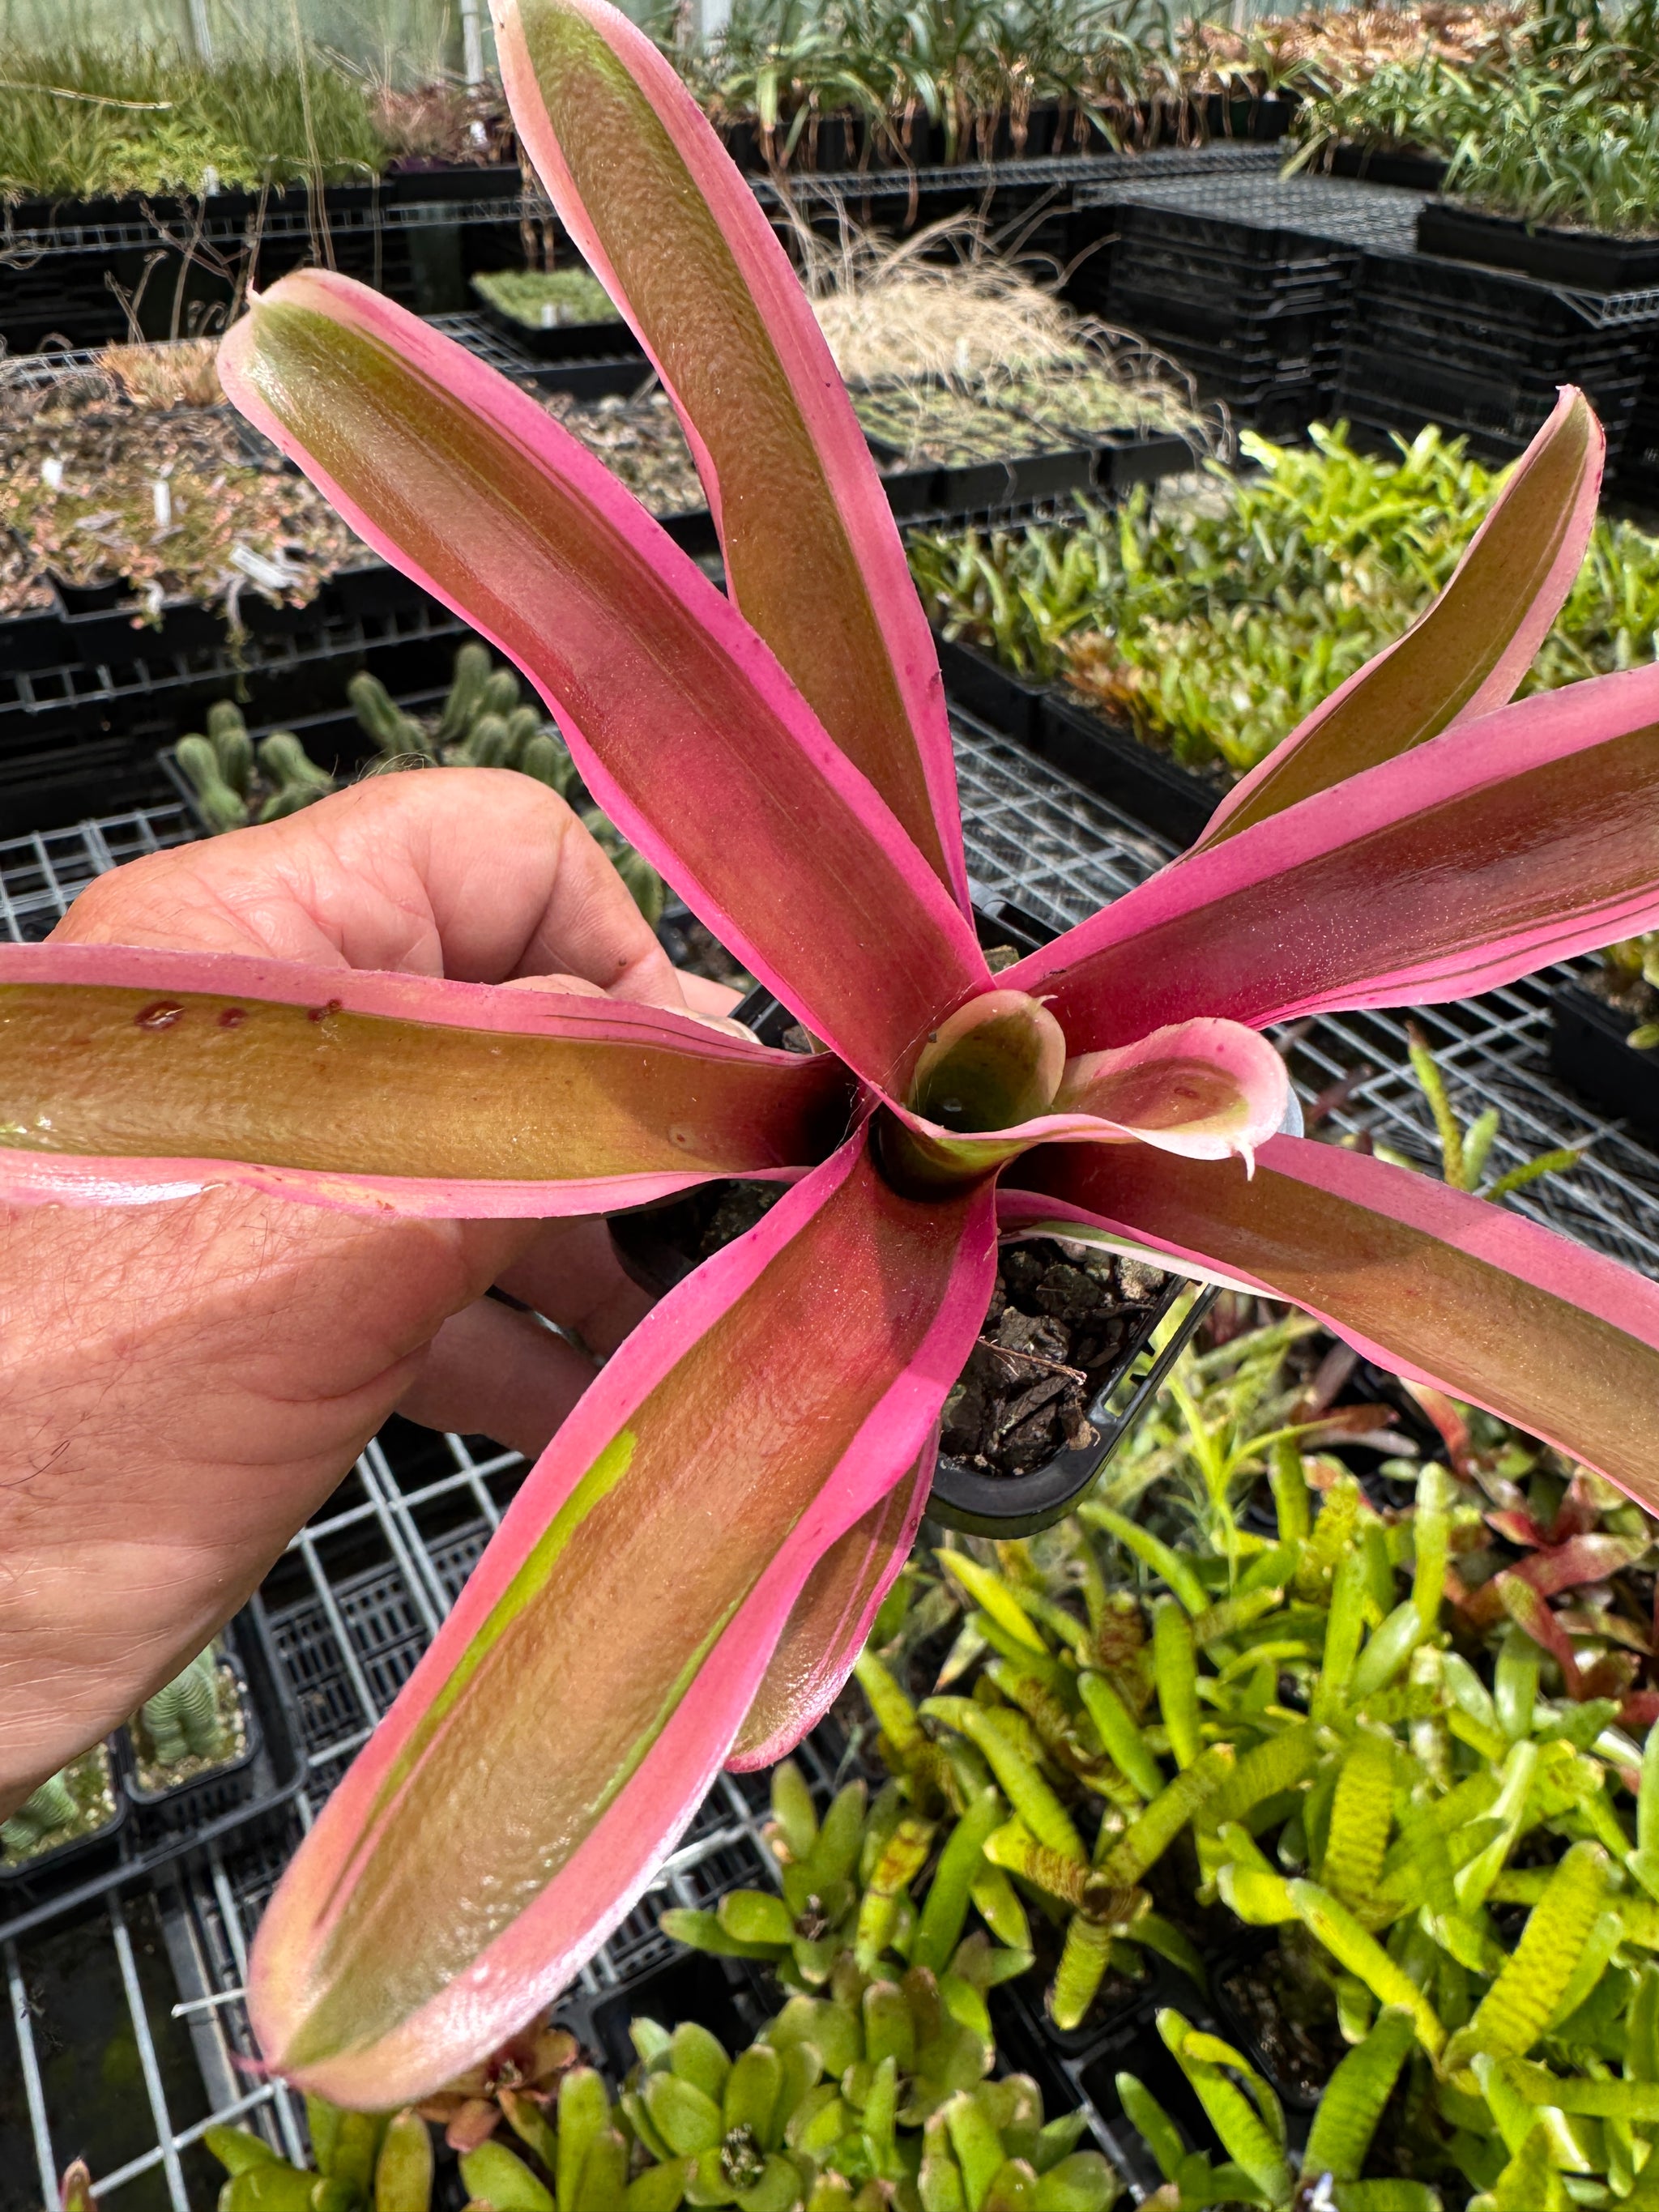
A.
pixel 562 342
pixel 1587 1050
pixel 273 1777
pixel 1105 757
pixel 1589 260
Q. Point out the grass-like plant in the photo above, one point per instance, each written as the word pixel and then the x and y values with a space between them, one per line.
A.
pixel 783 754
pixel 81 121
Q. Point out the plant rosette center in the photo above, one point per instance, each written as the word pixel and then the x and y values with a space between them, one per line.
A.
pixel 997 1077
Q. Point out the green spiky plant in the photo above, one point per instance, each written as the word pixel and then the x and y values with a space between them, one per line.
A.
pixel 1248 2122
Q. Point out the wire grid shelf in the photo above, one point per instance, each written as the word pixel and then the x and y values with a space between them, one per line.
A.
pixel 33 692
pixel 20 246
pixel 1086 176
pixel 363 1586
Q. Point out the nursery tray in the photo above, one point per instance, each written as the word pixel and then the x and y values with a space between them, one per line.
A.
pixel 1588 1051
pixel 1106 757
pixel 34 638
pixel 24 1885
pixel 562 341
pixel 133 1849
pixel 159 1814
pixel 1584 260
pixel 439 182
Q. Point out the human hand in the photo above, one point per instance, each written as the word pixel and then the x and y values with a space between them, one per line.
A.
pixel 182 1384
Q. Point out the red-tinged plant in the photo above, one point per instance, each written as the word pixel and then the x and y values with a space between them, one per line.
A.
pixel 693 1563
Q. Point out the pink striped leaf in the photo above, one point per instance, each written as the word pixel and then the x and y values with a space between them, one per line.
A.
pixel 543 1758
pixel 1436 1285
pixel 831 1619
pixel 650 196
pixel 129 1074
pixel 1469 653
pixel 686 731
pixel 1515 840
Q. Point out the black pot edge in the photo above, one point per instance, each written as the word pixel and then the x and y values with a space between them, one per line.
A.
pixel 1105 757
pixel 1589 1052
pixel 1588 261
pixel 607 341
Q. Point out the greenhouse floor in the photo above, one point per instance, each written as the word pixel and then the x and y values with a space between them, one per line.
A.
pixel 363 1587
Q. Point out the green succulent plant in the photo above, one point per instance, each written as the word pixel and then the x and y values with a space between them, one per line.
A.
pixel 1409 1740
pixel 183 1720
pixel 846 1892
pixel 361 2159
pixel 51 1806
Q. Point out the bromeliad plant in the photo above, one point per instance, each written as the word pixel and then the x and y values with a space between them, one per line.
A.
pixel 783 756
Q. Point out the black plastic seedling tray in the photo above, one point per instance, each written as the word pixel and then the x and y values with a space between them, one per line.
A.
pixel 160 1814
pixel 563 342
pixel 133 1849
pixel 1106 757
pixel 1584 260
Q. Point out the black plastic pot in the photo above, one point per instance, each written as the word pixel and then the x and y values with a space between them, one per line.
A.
pixel 190 1805
pixel 90 599
pixel 658 1246
pixel 27 1880
pixel 1588 1051
pixel 1585 261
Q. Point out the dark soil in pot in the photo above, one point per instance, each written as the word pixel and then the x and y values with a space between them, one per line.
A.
pixel 1059 1322
pixel 1280 2005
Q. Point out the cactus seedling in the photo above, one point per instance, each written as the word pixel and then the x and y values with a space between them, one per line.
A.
pixel 183 1720
pixel 51 1806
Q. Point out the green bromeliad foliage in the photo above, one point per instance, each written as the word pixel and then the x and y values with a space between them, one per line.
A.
pixel 1213 622
pixel 1395 1724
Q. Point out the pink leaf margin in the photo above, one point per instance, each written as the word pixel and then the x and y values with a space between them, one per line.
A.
pixel 883 1546
pixel 32 1178
pixel 1616 1296
pixel 1500 749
